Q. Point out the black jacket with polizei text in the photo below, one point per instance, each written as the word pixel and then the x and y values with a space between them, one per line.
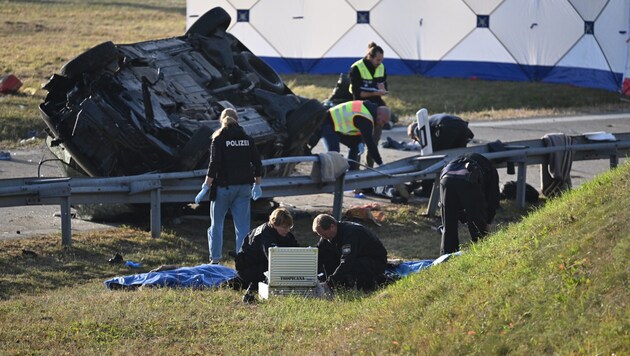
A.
pixel 234 158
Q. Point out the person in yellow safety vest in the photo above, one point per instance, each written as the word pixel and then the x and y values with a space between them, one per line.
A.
pixel 368 81
pixel 353 123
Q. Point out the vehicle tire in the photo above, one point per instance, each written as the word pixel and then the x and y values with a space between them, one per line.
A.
pixel 94 58
pixel 210 21
pixel 269 79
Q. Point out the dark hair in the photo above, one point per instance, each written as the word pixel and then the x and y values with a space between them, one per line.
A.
pixel 324 221
pixel 373 49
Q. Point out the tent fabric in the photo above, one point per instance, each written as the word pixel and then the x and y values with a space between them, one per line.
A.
pixel 203 276
pixel 578 42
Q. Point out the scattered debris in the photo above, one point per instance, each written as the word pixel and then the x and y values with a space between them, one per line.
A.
pixel 9 84
pixel 116 259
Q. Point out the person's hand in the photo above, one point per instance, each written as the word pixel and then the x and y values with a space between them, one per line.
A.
pixel 256 191
pixel 202 193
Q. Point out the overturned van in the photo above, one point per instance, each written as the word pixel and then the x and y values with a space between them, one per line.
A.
pixel 152 106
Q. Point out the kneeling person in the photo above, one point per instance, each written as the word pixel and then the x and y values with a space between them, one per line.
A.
pixel 252 260
pixel 349 254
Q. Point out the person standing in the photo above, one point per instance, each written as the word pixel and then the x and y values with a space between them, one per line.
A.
pixel 353 123
pixel 469 190
pixel 368 81
pixel 253 259
pixel 349 255
pixel 234 165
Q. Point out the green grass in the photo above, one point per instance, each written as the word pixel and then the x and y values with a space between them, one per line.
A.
pixel 555 283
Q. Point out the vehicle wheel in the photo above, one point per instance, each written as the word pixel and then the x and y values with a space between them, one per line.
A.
pixel 210 21
pixel 303 121
pixel 269 79
pixel 94 58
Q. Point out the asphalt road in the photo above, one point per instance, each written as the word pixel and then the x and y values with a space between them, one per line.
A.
pixel 30 221
pixel 526 129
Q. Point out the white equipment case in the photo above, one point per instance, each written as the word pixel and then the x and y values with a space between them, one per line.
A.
pixel 291 271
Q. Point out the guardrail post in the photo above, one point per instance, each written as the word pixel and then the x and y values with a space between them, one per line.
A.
pixel 434 199
pixel 156 213
pixel 66 222
pixel 338 198
pixel 614 160
pixel 521 177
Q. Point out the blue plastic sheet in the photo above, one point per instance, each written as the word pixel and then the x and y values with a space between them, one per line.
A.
pixel 203 276
pixel 406 268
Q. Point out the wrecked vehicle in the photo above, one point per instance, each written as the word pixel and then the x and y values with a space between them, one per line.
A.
pixel 152 106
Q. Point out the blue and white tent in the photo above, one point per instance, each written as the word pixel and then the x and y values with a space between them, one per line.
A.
pixel 579 42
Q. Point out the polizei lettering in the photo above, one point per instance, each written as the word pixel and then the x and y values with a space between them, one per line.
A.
pixel 236 143
pixel 292 278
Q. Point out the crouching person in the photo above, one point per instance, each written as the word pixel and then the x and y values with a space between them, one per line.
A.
pixel 349 255
pixel 252 260
pixel 469 191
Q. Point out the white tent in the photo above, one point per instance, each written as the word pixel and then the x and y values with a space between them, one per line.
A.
pixel 579 42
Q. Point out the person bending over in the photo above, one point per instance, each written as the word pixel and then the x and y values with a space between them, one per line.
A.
pixel 349 255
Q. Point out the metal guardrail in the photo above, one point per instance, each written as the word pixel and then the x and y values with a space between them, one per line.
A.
pixel 181 187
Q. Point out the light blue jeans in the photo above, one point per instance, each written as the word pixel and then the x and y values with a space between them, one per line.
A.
pixel 237 199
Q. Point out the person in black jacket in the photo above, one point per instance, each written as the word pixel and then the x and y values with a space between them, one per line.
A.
pixel 253 259
pixel 368 81
pixel 469 190
pixel 447 131
pixel 349 255
pixel 234 165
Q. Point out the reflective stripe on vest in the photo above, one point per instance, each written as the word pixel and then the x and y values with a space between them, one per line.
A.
pixel 379 72
pixel 343 117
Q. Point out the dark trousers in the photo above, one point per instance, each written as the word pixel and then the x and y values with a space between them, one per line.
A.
pixel 457 196
pixel 366 274
pixel 250 273
pixel 332 139
pixel 376 135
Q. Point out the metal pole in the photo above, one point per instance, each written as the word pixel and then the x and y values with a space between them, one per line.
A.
pixel 156 214
pixel 520 183
pixel 434 199
pixel 66 221
pixel 338 199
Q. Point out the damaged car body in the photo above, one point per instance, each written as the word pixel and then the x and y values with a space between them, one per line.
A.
pixel 152 106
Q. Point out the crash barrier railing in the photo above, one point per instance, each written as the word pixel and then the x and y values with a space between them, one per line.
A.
pixel 181 187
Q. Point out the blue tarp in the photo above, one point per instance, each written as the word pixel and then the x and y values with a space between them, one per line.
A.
pixel 185 277
pixel 205 276
pixel 409 267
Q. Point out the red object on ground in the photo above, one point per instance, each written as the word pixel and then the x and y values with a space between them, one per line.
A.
pixel 625 89
pixel 9 84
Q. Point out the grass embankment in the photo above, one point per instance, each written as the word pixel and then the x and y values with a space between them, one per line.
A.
pixel 556 283
pixel 39 37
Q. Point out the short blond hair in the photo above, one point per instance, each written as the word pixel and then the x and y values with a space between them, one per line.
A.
pixel 281 217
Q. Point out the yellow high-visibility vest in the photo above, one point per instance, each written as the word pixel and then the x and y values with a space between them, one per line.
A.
pixel 365 72
pixel 343 117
